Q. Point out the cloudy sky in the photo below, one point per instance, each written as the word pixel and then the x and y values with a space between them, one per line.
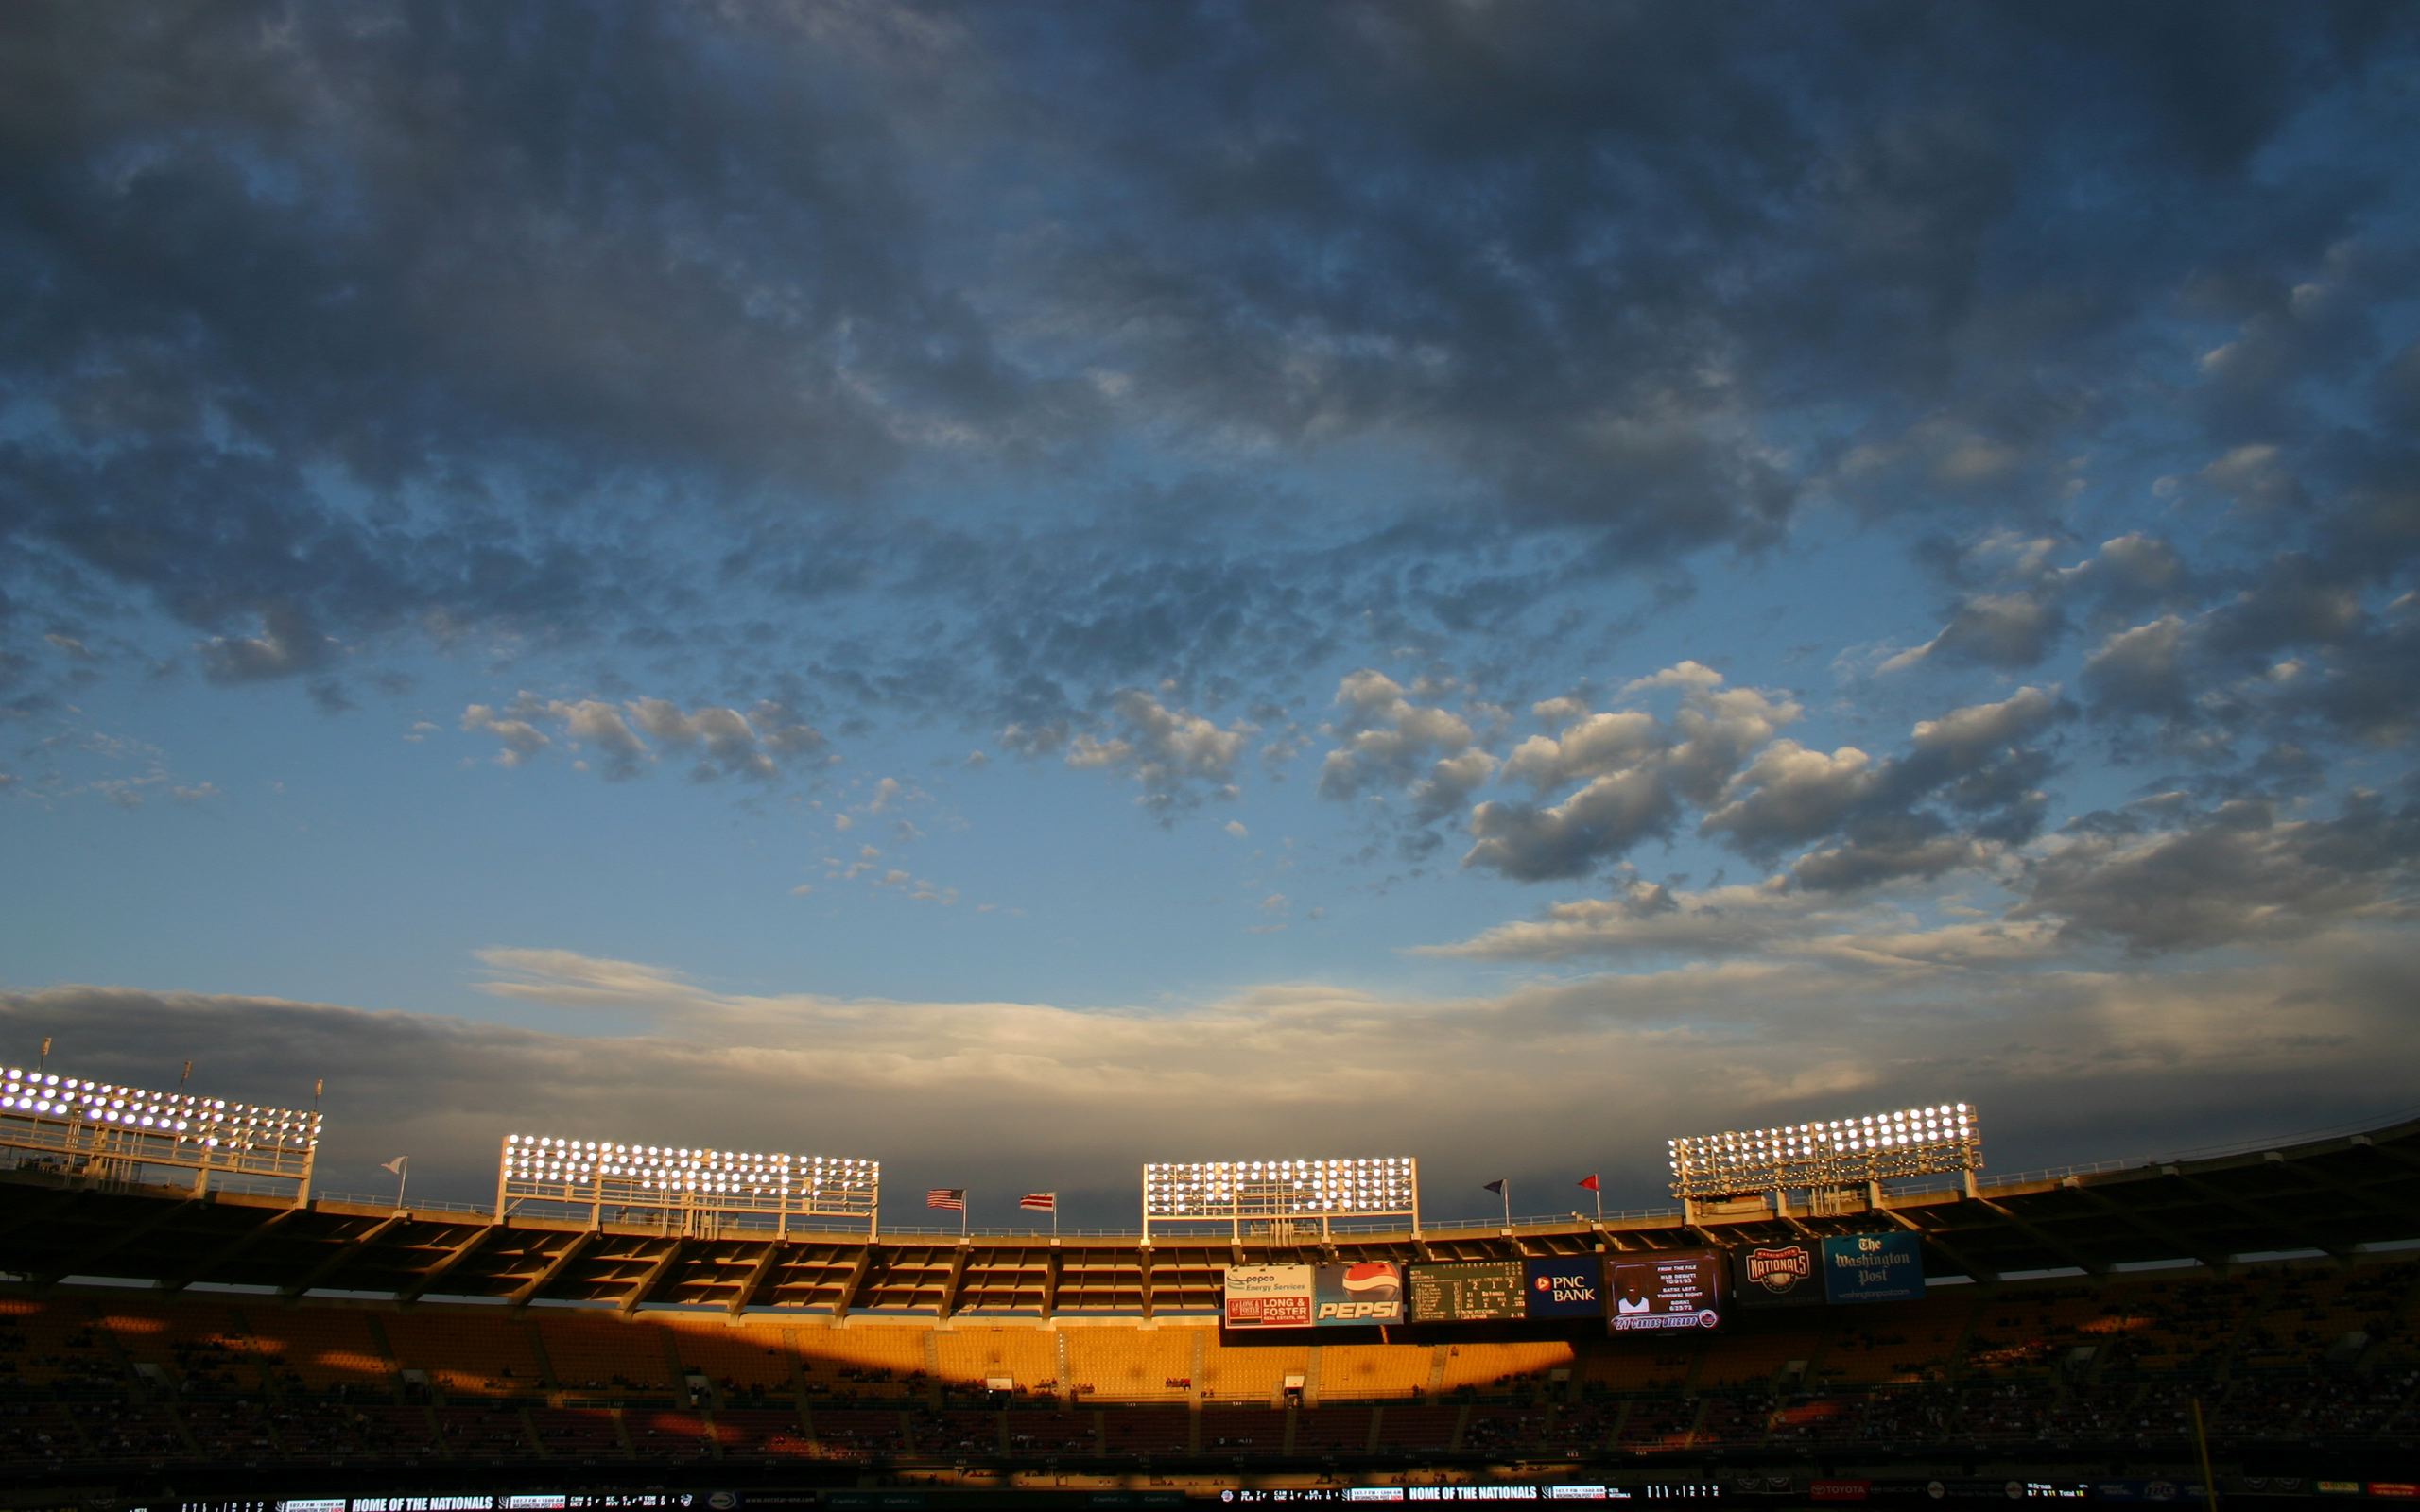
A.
pixel 1021 588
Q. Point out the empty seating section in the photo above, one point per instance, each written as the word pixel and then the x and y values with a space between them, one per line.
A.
pixel 763 1432
pixel 604 1353
pixel 1636 1367
pixel 1404 1427
pixel 202 1346
pixel 1038 1434
pixel 1231 1430
pixel 1906 1342
pixel 850 1433
pixel 749 1358
pixel 884 1360
pixel 576 1433
pixel 1131 1363
pixel 1254 1371
pixel 956 1433
pixel 1512 1366
pixel 1333 1431
pixel 661 1433
pixel 54 1346
pixel 1029 1356
pixel 467 1352
pixel 322 1349
pixel 1148 1430
pixel 485 1430
pixel 1373 1372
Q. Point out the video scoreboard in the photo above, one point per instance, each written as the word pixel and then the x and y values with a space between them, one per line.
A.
pixel 1667 1289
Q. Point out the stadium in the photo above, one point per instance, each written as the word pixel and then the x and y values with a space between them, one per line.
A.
pixel 186 1322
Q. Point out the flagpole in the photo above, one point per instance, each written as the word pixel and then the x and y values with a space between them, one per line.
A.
pixel 1598 1194
pixel 1508 1204
pixel 402 1173
pixel 962 1213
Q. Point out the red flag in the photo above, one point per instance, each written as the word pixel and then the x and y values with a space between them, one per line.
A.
pixel 1589 1183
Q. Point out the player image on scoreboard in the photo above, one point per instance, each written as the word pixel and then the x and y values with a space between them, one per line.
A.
pixel 1676 1289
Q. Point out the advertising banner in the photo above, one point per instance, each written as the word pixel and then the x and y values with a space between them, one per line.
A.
pixel 1571 1287
pixel 1666 1289
pixel 1783 1275
pixel 1873 1268
pixel 1269 1297
pixel 1359 1295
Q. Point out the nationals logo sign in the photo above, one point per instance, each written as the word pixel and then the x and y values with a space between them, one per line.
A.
pixel 1774 1274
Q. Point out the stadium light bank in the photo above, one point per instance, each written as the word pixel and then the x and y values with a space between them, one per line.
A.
pixel 698 1188
pixel 80 1128
pixel 1284 1196
pixel 1826 1158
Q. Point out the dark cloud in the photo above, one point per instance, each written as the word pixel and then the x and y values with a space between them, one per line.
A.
pixel 2239 873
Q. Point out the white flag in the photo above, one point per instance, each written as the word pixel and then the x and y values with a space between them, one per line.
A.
pixel 396 1164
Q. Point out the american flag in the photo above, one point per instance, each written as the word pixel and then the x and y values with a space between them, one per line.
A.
pixel 953 1198
pixel 1040 1201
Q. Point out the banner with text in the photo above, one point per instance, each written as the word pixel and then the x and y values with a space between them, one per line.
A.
pixel 1873 1268
pixel 1566 1286
pixel 1269 1297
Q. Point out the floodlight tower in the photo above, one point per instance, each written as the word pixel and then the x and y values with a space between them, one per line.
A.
pixel 1826 1158
pixel 696 1188
pixel 107 1131
pixel 1282 1193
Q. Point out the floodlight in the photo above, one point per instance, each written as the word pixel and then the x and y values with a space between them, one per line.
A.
pixel 1839 1152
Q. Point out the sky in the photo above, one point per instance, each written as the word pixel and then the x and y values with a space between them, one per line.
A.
pixel 1021 588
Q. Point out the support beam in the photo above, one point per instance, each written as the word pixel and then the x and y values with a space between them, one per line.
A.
pixel 2261 1218
pixel 1149 1303
pixel 555 1267
pixel 1050 1269
pixel 2180 1243
pixel 1983 1275
pixel 654 1277
pixel 438 1272
pixel 2057 1246
pixel 166 1213
pixel 957 1279
pixel 855 1285
pixel 2378 1201
pixel 228 1250
pixel 344 1255
pixel 760 1275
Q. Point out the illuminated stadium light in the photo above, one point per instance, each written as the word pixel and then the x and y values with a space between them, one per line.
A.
pixel 700 1185
pixel 1281 1190
pixel 1829 1153
pixel 90 1128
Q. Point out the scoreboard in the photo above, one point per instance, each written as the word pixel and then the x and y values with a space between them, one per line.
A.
pixel 1468 1292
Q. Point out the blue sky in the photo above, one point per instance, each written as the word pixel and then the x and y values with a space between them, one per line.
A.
pixel 1021 590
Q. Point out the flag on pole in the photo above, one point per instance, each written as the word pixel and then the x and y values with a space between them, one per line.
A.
pixel 951 1199
pixel 1495 1186
pixel 1040 1201
pixel 396 1164
pixel 1589 1183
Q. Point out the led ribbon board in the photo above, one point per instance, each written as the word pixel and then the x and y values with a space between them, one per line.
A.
pixel 618 1180
pixel 1240 1191
pixel 1834 1153
pixel 81 1121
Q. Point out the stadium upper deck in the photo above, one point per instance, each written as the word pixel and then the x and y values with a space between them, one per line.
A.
pixel 2327 1195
